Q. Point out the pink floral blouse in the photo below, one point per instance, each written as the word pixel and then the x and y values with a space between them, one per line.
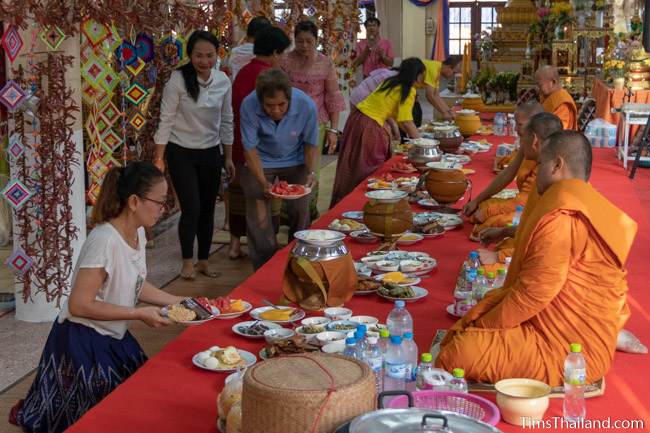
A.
pixel 317 78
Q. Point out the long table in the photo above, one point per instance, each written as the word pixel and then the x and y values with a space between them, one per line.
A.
pixel 170 395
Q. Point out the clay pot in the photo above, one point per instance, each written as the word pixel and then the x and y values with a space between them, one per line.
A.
pixel 450 145
pixel 468 125
pixel 446 185
pixel 388 219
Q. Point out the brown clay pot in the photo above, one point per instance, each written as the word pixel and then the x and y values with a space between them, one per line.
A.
pixel 446 186
pixel 451 144
pixel 388 219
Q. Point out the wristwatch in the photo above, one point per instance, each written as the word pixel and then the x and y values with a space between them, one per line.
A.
pixel 335 131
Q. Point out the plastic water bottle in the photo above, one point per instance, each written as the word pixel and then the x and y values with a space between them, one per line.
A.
pixel 473 262
pixel 575 380
pixel 517 217
pixel 506 265
pixel 395 365
pixel 463 296
pixel 361 344
pixel 399 320
pixel 411 356
pixel 501 278
pixel 426 364
pixel 351 348
pixel 512 125
pixel 499 124
pixel 479 287
pixel 458 383
pixel 375 361
pixel 384 340
pixel 490 282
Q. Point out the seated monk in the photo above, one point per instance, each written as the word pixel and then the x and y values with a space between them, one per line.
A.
pixel 554 98
pixel 524 111
pixel 496 212
pixel 567 282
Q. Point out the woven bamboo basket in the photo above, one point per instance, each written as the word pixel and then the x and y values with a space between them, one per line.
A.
pixel 305 393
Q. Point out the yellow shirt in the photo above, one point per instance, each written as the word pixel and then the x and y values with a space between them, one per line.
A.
pixel 380 105
pixel 432 73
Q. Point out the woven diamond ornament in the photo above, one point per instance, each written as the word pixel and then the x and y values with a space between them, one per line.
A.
pixel 171 49
pixel 110 113
pixel 111 140
pixel 137 120
pixel 97 169
pixel 16 193
pixel 53 37
pixel 94 70
pixel 91 129
pixel 12 43
pixel 126 53
pixel 101 125
pixel 144 47
pixel 95 32
pixel 19 262
pixel 12 96
pixel 93 192
pixel 15 148
pixel 136 93
pixel 109 81
pixel 136 68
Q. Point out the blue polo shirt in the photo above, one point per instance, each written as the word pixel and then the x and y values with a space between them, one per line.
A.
pixel 280 145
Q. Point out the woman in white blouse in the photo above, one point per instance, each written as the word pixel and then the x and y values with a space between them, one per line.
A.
pixel 196 124
pixel 90 351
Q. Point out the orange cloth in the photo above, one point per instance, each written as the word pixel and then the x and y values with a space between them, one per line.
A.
pixel 561 104
pixel 566 284
pixel 507 247
pixel 498 212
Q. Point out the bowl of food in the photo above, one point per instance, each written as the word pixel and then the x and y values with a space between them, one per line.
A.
pixel 415 266
pixel 387 196
pixel 321 238
pixel 522 399
pixel 409 238
pixel 373 330
pixel 315 321
pixel 387 265
pixel 332 337
pixel 335 347
pixel 365 320
pixel 310 331
pixel 364 237
pixel 277 334
pixel 344 326
pixel 338 313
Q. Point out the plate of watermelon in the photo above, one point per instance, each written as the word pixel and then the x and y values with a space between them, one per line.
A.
pixel 232 308
pixel 289 191
pixel 403 167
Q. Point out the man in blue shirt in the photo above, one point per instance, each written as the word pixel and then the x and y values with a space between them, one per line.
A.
pixel 279 129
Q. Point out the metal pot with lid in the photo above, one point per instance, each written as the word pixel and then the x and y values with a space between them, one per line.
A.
pixel 424 150
pixel 319 252
pixel 413 420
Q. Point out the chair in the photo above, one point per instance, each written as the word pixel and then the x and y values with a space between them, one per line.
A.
pixel 643 145
pixel 586 113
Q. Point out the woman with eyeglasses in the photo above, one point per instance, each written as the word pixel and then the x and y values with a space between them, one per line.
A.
pixel 195 136
pixel 90 351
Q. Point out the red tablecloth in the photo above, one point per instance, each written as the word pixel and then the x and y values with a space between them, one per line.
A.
pixel 169 395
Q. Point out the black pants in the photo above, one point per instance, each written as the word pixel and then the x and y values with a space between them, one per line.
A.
pixel 195 174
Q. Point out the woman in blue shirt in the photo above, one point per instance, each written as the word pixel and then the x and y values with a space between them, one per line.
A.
pixel 279 129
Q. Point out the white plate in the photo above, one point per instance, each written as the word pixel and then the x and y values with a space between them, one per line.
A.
pixel 248 306
pixel 414 280
pixel 292 197
pixel 387 196
pixel 355 235
pixel 428 203
pixel 449 221
pixel 353 215
pixel 215 314
pixel 444 165
pixel 270 325
pixel 248 357
pixel 450 310
pixel 363 228
pixel 420 292
pixel 418 238
pixel 255 314
pixel 460 159
pixel 321 238
pixel 363 292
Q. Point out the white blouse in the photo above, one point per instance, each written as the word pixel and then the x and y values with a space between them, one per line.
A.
pixel 206 123
pixel 126 270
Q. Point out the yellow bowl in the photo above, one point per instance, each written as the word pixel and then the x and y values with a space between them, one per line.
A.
pixel 468 125
pixel 522 400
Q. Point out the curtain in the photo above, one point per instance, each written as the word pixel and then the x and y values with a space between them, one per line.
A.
pixel 441 45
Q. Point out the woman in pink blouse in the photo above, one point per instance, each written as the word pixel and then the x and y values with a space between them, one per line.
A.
pixel 314 74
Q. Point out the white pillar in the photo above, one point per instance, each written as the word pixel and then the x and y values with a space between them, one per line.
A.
pixel 37 309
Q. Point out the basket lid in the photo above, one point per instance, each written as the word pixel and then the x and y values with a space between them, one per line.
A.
pixel 305 372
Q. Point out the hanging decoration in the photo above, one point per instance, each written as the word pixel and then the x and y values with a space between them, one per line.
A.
pixel 53 37
pixel 95 32
pixel 12 43
pixel 15 147
pixel 144 47
pixel 126 53
pixel 12 95
pixel 19 262
pixel 136 93
pixel 16 193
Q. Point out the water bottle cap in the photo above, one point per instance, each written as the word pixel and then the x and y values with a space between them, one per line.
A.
pixel 426 357
pixel 372 340
pixel 481 271
pixel 519 208
pixel 384 333
pixel 400 304
pixel 576 348
pixel 501 271
pixel 473 255
pixel 396 339
pixel 508 260
pixel 490 274
pixel 458 372
pixel 408 336
pixel 358 335
pixel 471 277
pixel 350 341
pixel 362 327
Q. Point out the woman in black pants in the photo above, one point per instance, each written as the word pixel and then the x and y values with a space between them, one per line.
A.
pixel 195 135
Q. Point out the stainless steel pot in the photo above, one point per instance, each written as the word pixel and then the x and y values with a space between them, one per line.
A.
pixel 447 131
pixel 316 253
pixel 419 154
pixel 413 420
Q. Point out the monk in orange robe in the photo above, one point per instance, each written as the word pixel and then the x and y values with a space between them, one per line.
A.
pixel 566 283
pixel 554 98
pixel 496 212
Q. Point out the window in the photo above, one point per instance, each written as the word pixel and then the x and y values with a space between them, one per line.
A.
pixel 467 18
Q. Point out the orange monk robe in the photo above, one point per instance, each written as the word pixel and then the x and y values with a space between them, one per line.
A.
pixel 566 284
pixel 561 104
pixel 498 212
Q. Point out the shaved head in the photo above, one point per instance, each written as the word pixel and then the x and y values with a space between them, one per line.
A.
pixel 574 148
pixel 549 72
pixel 543 125
pixel 524 112
pixel 548 80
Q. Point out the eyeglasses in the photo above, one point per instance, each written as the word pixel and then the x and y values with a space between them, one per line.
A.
pixel 161 204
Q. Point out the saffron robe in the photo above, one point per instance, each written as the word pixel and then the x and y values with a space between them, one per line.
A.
pixel 561 104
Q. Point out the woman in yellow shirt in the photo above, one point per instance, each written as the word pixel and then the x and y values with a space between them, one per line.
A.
pixel 366 141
